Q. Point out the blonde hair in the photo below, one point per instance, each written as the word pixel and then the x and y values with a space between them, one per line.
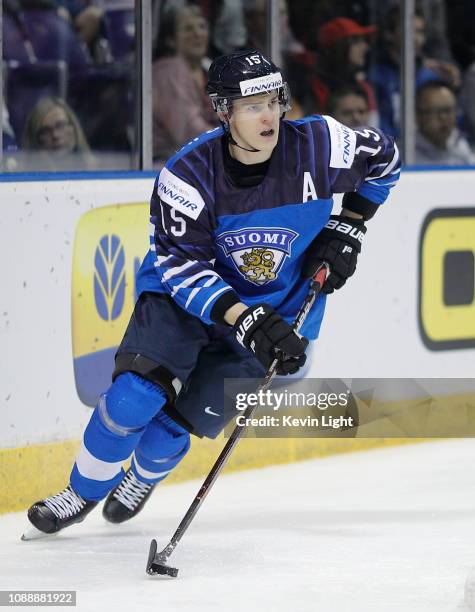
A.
pixel 35 120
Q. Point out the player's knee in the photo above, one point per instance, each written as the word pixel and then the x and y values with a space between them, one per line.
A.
pixel 130 403
pixel 149 370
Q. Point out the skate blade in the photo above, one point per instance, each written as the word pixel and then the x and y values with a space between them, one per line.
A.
pixel 32 533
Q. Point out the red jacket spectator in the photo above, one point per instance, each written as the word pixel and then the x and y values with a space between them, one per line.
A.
pixel 343 45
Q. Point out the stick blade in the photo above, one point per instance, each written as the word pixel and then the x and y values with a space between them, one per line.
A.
pixel 156 564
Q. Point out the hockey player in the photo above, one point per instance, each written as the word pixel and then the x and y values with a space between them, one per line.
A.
pixel 240 220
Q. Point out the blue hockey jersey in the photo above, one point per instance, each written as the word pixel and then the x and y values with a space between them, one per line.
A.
pixel 213 244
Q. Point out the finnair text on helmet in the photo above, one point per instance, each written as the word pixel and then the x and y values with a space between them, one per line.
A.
pixel 255 89
pixel 261 84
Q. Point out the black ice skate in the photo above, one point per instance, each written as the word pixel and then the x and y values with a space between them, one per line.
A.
pixel 57 512
pixel 127 499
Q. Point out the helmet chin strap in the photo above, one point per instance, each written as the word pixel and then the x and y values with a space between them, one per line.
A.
pixel 224 120
pixel 234 143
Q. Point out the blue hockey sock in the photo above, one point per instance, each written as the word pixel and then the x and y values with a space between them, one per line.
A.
pixel 162 446
pixel 114 430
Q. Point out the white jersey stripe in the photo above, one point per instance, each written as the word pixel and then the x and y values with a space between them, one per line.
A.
pixel 161 259
pixel 191 279
pixel 194 291
pixel 212 297
pixel 176 271
pixel 389 167
pixel 390 184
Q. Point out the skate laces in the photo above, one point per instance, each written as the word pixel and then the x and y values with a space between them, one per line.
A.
pixel 65 504
pixel 131 491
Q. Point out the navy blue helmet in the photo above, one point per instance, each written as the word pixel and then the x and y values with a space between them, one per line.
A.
pixel 244 73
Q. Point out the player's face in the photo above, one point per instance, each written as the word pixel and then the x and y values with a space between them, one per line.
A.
pixel 255 122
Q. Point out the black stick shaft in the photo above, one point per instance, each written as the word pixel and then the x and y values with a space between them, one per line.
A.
pixel 315 287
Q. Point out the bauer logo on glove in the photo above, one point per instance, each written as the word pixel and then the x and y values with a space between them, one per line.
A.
pixel 338 243
pixel 246 324
pixel 346 228
pixel 265 333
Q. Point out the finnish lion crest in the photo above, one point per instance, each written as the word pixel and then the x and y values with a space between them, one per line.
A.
pixel 258 253
pixel 258 265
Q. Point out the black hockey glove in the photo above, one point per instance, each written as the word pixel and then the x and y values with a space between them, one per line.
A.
pixel 265 333
pixel 338 243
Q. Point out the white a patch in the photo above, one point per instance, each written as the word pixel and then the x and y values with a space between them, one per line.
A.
pixel 178 194
pixel 251 87
pixel 309 191
pixel 342 143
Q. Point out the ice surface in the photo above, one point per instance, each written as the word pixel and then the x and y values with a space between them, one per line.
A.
pixel 384 530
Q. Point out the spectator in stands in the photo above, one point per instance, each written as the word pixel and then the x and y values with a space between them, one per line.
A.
pixel 106 27
pixel 385 74
pixel 307 16
pixel 438 140
pixel 349 106
pixel 344 45
pixel 181 108
pixel 225 20
pixel 55 139
pixel 435 15
pixel 228 32
pixel 256 23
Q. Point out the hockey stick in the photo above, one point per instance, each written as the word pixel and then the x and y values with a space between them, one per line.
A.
pixel 156 563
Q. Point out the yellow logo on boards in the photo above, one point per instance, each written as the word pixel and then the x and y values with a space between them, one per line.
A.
pixel 109 246
pixel 447 279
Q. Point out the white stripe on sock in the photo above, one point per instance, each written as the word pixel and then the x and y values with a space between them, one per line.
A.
pixel 96 469
pixel 145 473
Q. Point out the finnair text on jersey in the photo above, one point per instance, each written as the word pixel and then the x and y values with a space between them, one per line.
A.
pixel 346 145
pixel 164 190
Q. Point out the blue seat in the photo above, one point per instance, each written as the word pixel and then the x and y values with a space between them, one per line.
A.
pixel 119 29
pixel 26 83
pixel 32 35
